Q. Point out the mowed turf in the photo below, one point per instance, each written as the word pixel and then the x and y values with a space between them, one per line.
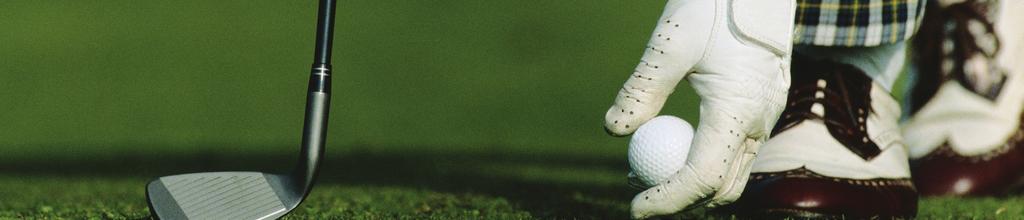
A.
pixel 389 185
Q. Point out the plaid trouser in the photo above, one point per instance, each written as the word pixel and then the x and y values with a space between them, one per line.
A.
pixel 856 23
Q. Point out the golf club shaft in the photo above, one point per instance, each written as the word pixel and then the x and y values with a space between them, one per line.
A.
pixel 324 32
pixel 318 99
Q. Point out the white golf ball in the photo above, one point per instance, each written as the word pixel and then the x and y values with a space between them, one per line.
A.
pixel 658 149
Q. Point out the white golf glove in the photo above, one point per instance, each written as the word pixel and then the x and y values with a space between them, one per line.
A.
pixel 736 55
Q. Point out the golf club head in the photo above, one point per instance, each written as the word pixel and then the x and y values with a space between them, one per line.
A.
pixel 223 195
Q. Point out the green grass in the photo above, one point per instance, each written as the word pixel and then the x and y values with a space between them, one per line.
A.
pixel 385 185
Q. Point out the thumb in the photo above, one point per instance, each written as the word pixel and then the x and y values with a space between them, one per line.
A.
pixel 726 146
pixel 738 112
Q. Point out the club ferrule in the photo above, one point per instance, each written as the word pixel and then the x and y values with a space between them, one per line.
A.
pixel 320 78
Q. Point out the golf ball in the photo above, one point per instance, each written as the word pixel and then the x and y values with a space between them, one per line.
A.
pixel 658 149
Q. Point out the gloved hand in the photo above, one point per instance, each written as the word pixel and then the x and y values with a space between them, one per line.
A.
pixel 736 56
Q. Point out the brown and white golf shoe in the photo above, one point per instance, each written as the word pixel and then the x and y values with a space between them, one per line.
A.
pixel 836 151
pixel 965 134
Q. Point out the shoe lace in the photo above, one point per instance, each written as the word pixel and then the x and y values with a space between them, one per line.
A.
pixel 836 94
pixel 957 42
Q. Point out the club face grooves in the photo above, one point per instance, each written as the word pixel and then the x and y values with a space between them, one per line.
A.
pixel 219 195
pixel 161 203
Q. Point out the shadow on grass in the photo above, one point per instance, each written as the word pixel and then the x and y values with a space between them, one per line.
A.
pixel 554 192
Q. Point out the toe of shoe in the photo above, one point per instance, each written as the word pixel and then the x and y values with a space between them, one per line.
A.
pixel 802 193
pixel 944 172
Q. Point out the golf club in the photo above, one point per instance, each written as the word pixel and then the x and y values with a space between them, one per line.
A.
pixel 256 195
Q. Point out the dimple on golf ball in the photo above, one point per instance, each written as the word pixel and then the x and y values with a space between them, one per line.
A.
pixel 658 149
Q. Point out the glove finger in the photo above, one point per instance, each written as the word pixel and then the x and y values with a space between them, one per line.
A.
pixel 641 98
pixel 677 44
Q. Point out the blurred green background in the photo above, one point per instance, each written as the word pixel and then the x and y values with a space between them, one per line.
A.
pixel 118 76
pixel 441 109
